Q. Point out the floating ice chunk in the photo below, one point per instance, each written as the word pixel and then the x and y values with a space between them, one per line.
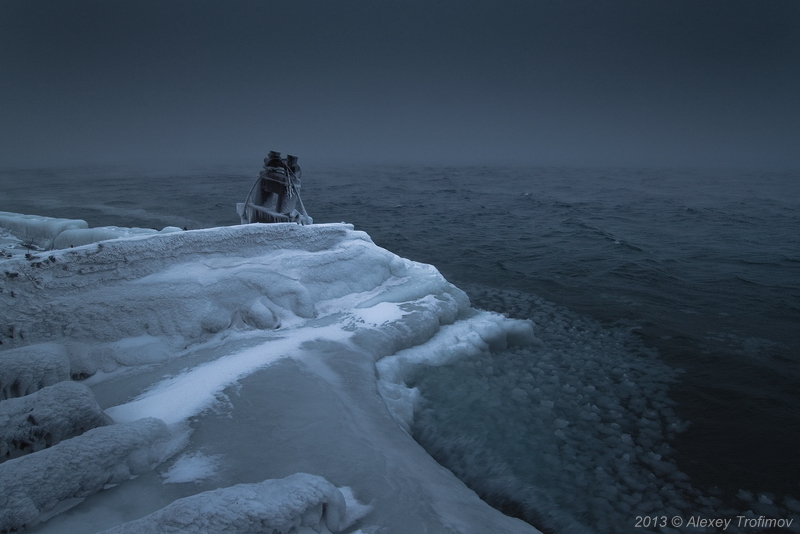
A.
pixel 792 504
pixel 38 230
pixel 28 369
pixel 519 394
pixel 45 418
pixel 560 423
pixel 37 484
pixel 292 505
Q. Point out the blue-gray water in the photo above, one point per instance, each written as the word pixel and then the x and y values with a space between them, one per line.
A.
pixel 661 298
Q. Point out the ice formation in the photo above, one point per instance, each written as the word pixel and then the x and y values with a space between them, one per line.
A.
pixel 255 346
pixel 52 233
pixel 46 417
pixel 28 369
pixel 293 505
pixel 37 230
pixel 37 484
pixel 84 236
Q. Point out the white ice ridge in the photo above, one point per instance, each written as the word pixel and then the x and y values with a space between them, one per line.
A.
pixel 293 505
pixel 263 339
pixel 474 335
pixel 28 369
pixel 53 233
pixel 46 417
pixel 37 230
pixel 34 485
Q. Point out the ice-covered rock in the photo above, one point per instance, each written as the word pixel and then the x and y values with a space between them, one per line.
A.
pixel 27 369
pixel 292 505
pixel 34 485
pixel 38 230
pixel 47 417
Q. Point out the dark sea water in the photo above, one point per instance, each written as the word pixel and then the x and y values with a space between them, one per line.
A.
pixel 667 304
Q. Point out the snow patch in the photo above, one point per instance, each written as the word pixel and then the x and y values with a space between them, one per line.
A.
pixel 176 399
pixel 191 467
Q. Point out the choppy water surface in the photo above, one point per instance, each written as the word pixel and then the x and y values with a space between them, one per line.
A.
pixel 667 304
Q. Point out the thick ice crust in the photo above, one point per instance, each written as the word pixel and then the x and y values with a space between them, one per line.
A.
pixel 291 505
pixel 206 280
pixel 37 230
pixel 84 236
pixel 33 485
pixel 28 369
pixel 47 417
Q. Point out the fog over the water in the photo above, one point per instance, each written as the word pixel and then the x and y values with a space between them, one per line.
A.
pixel 569 82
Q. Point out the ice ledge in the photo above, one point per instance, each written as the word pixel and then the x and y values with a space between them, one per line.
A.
pixel 37 230
pixel 295 504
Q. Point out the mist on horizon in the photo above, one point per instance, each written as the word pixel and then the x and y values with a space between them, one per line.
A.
pixel 581 83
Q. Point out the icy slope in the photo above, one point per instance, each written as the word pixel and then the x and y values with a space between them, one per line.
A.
pixel 257 346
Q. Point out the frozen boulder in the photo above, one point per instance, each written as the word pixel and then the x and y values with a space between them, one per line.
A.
pixel 28 369
pixel 47 417
pixel 292 505
pixel 34 485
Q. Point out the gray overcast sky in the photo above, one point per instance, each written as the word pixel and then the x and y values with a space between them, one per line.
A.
pixel 558 82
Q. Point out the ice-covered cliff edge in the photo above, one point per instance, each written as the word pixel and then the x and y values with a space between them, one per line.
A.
pixel 257 346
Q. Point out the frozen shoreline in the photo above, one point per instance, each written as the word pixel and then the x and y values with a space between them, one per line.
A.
pixel 257 345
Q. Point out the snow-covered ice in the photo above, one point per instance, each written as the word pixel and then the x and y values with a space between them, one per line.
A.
pixel 256 348
pixel 28 369
pixel 296 504
pixel 46 417
pixel 33 486
pixel 53 233
pixel 76 237
pixel 190 468
pixel 37 230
